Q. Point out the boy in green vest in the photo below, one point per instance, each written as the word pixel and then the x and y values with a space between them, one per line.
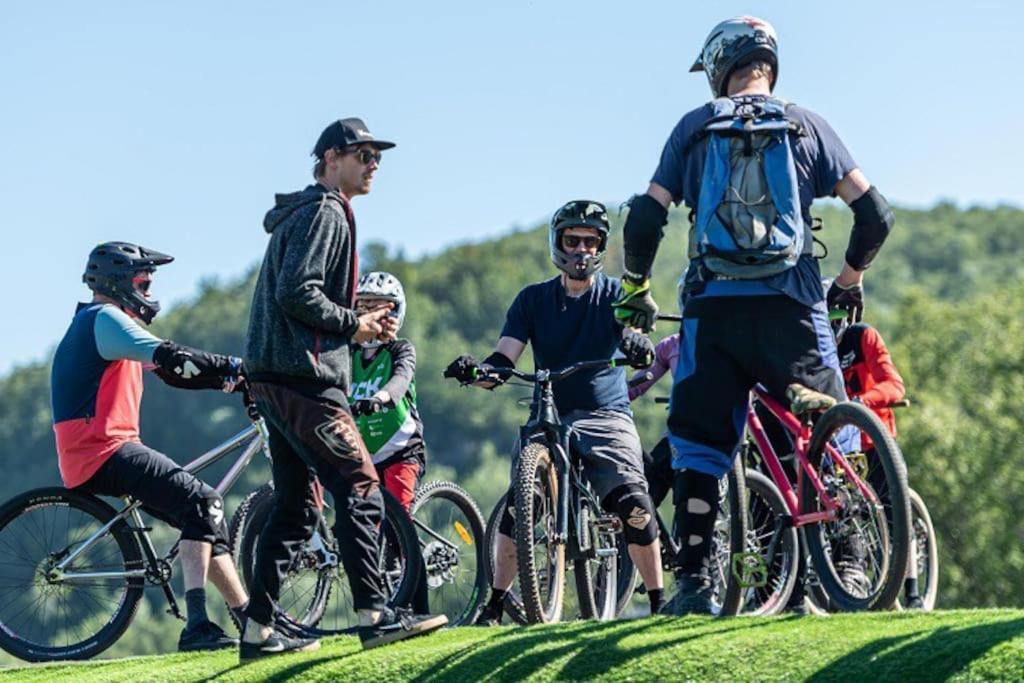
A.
pixel 383 394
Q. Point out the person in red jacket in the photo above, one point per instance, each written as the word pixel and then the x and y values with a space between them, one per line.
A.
pixel 871 378
pixel 869 374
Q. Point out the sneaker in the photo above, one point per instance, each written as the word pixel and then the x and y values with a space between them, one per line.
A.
pixel 854 580
pixel 490 616
pixel 693 596
pixel 205 635
pixel 913 602
pixel 399 624
pixel 276 644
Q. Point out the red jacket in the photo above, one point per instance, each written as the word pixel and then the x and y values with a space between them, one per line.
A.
pixel 870 374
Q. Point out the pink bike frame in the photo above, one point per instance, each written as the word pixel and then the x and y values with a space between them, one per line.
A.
pixel 801 433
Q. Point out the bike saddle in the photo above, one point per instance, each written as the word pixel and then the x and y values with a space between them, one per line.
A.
pixel 803 400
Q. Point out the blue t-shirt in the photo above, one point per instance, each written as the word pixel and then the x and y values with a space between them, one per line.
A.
pixel 821 161
pixel 564 330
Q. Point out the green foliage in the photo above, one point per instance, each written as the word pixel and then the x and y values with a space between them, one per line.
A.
pixel 942 292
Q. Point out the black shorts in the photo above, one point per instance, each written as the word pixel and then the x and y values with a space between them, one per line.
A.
pixel 166 491
pixel 729 344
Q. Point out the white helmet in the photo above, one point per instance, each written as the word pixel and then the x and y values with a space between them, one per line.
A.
pixel 385 286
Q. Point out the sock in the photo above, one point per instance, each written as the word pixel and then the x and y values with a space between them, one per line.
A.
pixel 195 606
pixel 239 614
pixel 497 598
pixel 655 596
pixel 910 587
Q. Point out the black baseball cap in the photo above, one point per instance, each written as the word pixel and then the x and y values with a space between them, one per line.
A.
pixel 345 132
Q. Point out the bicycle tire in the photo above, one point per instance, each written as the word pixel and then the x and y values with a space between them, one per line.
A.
pixel 536 467
pixel 736 502
pixel 247 525
pixel 397 527
pixel 924 535
pixel 597 580
pixel 894 523
pixel 766 507
pixel 125 544
pixel 466 612
pixel 513 604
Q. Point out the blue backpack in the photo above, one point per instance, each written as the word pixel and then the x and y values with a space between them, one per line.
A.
pixel 748 222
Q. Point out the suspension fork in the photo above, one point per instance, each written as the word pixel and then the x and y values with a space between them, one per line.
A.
pixel 562 469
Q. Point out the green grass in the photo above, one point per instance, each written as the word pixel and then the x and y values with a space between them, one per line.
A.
pixel 958 645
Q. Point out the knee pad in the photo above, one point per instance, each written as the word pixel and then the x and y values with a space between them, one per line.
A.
pixel 205 521
pixel 636 510
pixel 507 522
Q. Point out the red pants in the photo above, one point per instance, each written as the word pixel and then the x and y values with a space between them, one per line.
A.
pixel 400 480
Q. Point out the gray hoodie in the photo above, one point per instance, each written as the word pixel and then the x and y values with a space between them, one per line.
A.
pixel 302 317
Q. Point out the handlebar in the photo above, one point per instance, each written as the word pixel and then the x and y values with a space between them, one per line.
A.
pixel 550 375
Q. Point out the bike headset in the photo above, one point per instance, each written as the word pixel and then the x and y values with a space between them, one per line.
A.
pixel 385 287
pixel 111 269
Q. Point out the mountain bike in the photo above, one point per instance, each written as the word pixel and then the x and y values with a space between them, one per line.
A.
pixel 857 535
pixel 559 518
pixel 447 531
pixel 75 567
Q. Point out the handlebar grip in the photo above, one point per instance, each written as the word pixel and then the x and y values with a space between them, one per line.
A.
pixel 670 317
pixel 661 399
pixel 640 379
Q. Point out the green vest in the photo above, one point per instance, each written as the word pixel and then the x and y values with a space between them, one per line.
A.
pixel 389 431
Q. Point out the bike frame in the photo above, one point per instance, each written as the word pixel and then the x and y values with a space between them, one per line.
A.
pixel 253 438
pixel 791 492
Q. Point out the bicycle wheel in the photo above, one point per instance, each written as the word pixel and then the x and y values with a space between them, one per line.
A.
pixel 925 551
pixel 451 539
pixel 729 540
pixel 310 581
pixel 44 618
pixel 628 575
pixel 513 603
pixel 316 591
pixel 766 512
pixel 541 558
pixel 596 569
pixel 860 556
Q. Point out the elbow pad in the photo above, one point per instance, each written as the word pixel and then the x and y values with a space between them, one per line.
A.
pixel 642 234
pixel 872 221
pixel 188 368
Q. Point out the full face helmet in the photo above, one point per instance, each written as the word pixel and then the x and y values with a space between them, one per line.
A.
pixel 579 213
pixel 382 286
pixel 111 271
pixel 735 43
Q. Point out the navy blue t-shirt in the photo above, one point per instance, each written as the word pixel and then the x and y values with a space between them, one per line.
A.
pixel 564 330
pixel 821 161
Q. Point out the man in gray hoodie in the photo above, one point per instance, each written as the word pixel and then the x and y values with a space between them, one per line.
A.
pixel 298 362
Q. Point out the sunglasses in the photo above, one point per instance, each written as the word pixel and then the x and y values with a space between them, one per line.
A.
pixel 588 241
pixel 365 156
pixel 142 284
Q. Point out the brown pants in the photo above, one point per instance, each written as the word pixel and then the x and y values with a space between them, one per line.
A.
pixel 316 438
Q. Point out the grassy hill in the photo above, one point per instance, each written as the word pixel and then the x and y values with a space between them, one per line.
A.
pixel 956 645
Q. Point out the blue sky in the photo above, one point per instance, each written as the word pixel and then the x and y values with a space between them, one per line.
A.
pixel 173 124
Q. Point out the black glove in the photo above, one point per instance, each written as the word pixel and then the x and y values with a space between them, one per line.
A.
pixel 638 349
pixel 849 299
pixel 367 406
pixel 465 369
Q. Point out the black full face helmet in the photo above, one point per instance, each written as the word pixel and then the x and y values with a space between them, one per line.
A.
pixel 579 213
pixel 111 269
pixel 735 43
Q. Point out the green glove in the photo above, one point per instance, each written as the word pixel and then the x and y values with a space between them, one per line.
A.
pixel 636 307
